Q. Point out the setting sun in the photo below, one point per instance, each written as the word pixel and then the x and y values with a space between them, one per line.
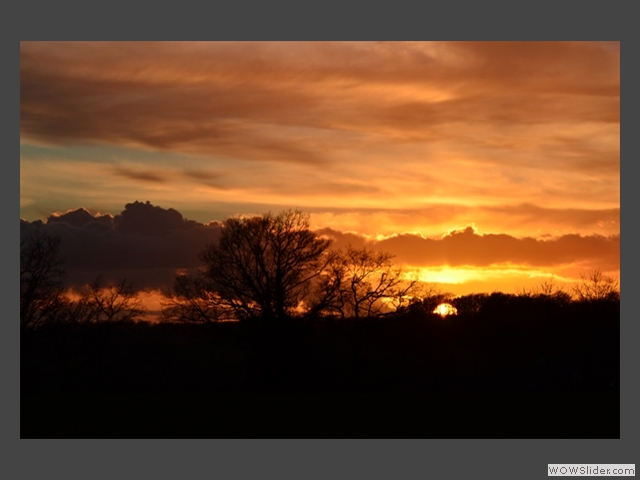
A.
pixel 445 309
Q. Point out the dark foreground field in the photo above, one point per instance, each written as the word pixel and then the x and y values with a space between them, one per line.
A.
pixel 501 373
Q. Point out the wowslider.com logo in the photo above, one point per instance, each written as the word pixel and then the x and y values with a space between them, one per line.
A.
pixel 583 470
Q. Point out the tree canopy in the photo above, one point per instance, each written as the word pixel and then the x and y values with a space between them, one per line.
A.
pixel 274 267
pixel 263 267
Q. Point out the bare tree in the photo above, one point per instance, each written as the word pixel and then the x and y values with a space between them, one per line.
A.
pixel 274 267
pixel 368 283
pixel 265 267
pixel 41 281
pixel 108 304
pixel 547 289
pixel 44 299
pixel 594 285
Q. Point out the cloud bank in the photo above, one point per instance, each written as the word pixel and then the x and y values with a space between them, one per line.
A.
pixel 148 244
pixel 145 243
pixel 468 248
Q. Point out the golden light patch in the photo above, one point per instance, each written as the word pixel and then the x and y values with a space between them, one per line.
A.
pixel 459 275
pixel 449 275
pixel 445 309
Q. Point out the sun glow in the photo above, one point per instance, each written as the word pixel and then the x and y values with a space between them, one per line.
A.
pixel 500 276
pixel 448 274
pixel 445 309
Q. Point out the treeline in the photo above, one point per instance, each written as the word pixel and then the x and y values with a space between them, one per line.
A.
pixel 499 347
pixel 270 269
pixel 498 373
pixel 45 301
pixel 328 344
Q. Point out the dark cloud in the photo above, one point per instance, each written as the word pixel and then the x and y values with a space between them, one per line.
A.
pixel 148 244
pixel 467 248
pixel 60 107
pixel 342 239
pixel 145 176
pixel 202 175
pixel 81 217
pixel 145 243
pixel 148 219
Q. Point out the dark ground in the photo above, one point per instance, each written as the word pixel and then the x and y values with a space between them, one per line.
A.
pixel 528 371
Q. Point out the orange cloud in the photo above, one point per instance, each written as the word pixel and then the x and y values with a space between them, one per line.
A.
pixel 149 244
pixel 255 100
pixel 465 247
pixel 378 138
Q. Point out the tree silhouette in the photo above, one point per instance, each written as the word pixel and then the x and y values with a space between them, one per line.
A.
pixel 430 298
pixel 265 267
pixel 368 283
pixel 43 295
pixel 107 304
pixel 273 267
pixel 469 304
pixel 41 281
pixel 194 300
pixel 547 289
pixel 595 286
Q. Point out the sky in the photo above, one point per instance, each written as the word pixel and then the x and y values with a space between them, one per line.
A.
pixel 482 166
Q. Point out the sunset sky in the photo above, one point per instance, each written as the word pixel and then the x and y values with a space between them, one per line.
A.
pixel 481 165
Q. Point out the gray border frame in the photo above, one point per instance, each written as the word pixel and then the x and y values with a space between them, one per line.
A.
pixel 119 20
